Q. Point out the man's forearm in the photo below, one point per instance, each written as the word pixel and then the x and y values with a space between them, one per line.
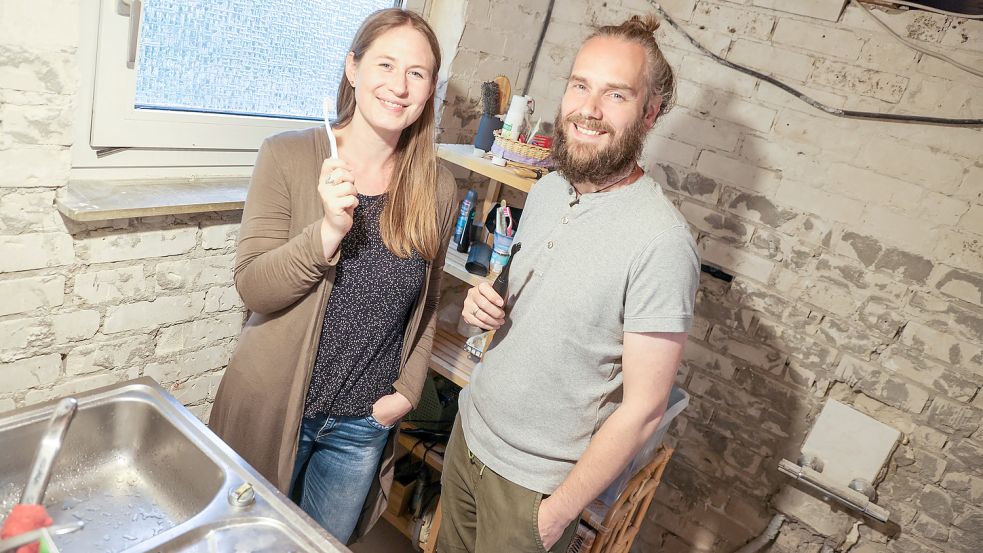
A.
pixel 609 452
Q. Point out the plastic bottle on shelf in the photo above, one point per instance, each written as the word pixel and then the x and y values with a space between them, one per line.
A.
pixel 462 234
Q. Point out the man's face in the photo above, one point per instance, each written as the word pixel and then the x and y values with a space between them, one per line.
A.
pixel 605 113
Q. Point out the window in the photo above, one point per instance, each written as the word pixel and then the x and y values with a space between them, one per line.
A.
pixel 202 82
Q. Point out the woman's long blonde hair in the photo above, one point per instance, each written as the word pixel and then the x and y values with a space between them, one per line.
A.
pixel 409 218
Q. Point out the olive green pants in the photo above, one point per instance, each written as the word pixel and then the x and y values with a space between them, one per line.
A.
pixel 485 513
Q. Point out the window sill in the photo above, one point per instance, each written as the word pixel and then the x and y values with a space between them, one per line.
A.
pixel 104 200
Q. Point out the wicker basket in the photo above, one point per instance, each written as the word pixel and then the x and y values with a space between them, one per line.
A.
pixel 528 154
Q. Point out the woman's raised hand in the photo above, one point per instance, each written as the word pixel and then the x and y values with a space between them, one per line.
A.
pixel 336 186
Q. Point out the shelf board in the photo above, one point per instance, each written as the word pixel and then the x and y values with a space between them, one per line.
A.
pixel 435 456
pixel 462 155
pixel 449 359
pixel 402 523
pixel 454 266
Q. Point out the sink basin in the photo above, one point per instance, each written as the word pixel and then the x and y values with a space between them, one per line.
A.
pixel 145 475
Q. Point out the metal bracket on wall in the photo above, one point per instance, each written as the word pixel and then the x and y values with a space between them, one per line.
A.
pixel 843 456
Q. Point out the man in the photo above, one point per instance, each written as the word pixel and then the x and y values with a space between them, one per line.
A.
pixel 600 300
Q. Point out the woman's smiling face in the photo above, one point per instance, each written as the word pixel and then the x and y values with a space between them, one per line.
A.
pixel 394 79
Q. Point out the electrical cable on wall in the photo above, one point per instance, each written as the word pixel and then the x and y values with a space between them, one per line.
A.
pixel 916 47
pixel 812 101
pixel 934 10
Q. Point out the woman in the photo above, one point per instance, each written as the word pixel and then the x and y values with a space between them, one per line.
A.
pixel 339 263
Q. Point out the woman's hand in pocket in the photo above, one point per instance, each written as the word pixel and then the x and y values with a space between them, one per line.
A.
pixel 389 409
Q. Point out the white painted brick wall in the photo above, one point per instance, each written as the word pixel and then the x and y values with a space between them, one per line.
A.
pixel 841 234
pixel 866 238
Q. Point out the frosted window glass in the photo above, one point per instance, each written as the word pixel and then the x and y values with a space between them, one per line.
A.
pixel 276 58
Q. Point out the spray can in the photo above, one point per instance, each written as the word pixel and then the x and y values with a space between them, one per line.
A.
pixel 462 230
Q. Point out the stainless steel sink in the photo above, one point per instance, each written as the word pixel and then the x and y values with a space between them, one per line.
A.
pixel 145 475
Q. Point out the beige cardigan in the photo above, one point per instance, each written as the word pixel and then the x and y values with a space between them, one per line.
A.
pixel 284 281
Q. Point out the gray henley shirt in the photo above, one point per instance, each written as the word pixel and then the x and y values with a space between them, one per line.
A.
pixel 610 263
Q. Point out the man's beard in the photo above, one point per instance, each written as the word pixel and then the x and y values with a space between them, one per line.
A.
pixel 579 162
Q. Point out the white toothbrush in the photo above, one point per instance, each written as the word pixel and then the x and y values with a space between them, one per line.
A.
pixel 328 101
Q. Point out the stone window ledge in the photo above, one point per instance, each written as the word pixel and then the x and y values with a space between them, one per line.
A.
pixel 104 200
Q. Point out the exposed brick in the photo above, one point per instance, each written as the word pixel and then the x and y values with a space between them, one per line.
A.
pixel 818 38
pixel 927 527
pixel 960 284
pixel 714 223
pixel 222 298
pixel 920 164
pixel 35 251
pixel 806 351
pixel 956 418
pixel 756 207
pixel 37 371
pixel 923 464
pixel 733 20
pixel 29 211
pixel 912 235
pixel 831 135
pixel 18 334
pixel 830 295
pixel 710 74
pixel 803 197
pixel 950 381
pixel 110 285
pixel 877 383
pixel 700 187
pixel 146 315
pixel 865 82
pixel 690 129
pixel 734 259
pixel 74 326
pixel 972 220
pixel 199 332
pixel 137 244
pixel 27 294
pixel 190 364
pixel 108 356
pixel 777 62
pixel 960 250
pixel 744 348
pixel 947 316
pixel 873 187
pixel 194 273
pixel 218 236
pixel 882 316
pixel 965 485
pixel 941 346
pixel 906 265
pixel 738 173
pixel 665 150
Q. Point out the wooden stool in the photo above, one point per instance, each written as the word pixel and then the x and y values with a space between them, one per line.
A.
pixel 615 528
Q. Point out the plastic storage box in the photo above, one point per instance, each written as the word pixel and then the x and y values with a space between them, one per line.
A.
pixel 678 400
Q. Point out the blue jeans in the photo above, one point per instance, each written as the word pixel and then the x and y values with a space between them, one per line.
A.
pixel 337 460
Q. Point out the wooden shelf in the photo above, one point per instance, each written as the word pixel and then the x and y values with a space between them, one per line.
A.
pixel 449 359
pixel 402 523
pixel 454 266
pixel 435 456
pixel 463 156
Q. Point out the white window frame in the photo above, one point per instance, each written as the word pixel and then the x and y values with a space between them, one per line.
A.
pixel 114 140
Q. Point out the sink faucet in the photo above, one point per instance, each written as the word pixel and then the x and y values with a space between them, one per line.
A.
pixel 44 460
